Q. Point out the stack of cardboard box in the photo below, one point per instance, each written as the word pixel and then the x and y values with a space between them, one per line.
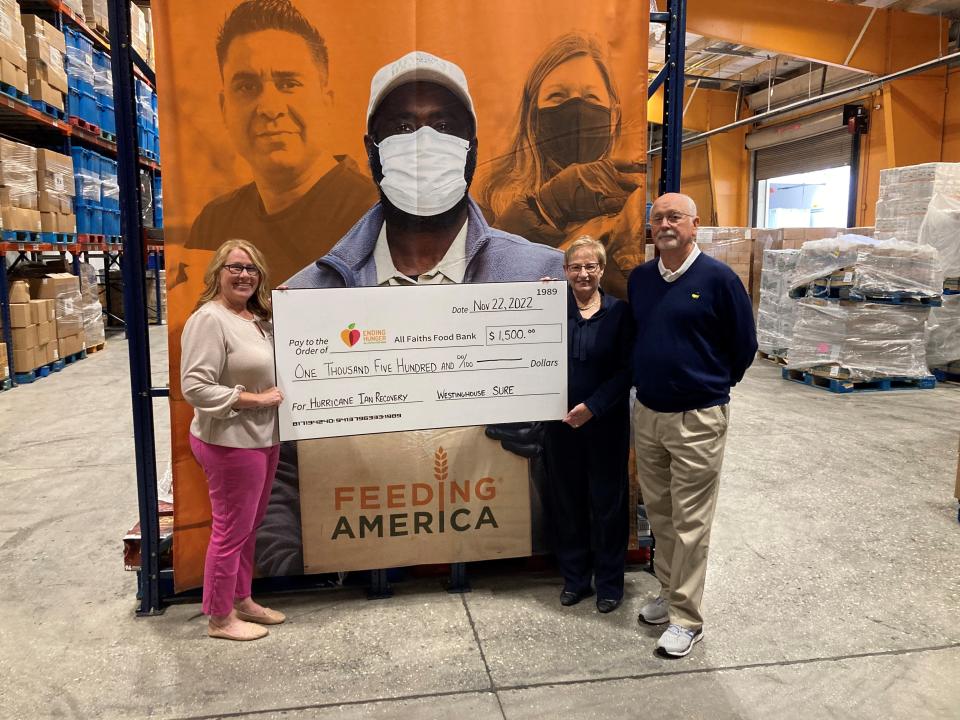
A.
pixel 18 186
pixel 33 328
pixel 141 33
pixel 96 14
pixel 46 47
pixel 730 245
pixel 4 370
pixel 55 192
pixel 93 329
pixel 13 50
pixel 64 290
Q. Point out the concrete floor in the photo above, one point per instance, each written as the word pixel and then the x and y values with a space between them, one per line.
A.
pixel 833 588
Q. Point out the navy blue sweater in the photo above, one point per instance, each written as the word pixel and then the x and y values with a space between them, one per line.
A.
pixel 598 357
pixel 695 336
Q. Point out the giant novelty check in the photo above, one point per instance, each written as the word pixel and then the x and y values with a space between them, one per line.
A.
pixel 355 361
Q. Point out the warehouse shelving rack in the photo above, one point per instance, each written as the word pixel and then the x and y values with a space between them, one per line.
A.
pixel 156 588
pixel 22 121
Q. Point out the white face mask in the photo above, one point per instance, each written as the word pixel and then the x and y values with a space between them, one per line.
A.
pixel 423 172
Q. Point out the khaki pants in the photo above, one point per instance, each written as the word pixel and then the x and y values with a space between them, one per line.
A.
pixel 678 467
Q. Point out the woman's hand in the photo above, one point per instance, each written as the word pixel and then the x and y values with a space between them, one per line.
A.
pixel 255 401
pixel 578 416
pixel 270 398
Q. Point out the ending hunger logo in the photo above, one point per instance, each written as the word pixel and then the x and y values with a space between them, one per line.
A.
pixel 350 335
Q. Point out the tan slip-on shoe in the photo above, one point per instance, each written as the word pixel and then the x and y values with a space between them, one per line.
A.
pixel 269 617
pixel 246 631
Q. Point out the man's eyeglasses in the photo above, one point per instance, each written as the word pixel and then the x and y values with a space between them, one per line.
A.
pixel 591 268
pixel 673 218
pixel 237 269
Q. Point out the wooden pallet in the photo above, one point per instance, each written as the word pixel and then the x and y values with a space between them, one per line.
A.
pixel 84 125
pixel 96 348
pixel 846 385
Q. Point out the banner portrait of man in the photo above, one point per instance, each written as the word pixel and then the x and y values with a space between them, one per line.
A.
pixel 263 112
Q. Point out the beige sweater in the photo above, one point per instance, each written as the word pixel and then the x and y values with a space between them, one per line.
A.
pixel 222 355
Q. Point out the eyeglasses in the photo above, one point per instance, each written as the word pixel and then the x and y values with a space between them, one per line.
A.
pixel 591 268
pixel 673 218
pixel 237 269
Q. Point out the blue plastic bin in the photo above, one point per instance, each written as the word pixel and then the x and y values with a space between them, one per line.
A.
pixel 88 108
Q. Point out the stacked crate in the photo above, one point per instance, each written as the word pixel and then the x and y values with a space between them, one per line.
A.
pixel 103 92
pixel 82 98
pixel 97 193
pixel 13 50
pixel 18 186
pixel 63 289
pixel 46 74
pixel 777 309
pixel 148 128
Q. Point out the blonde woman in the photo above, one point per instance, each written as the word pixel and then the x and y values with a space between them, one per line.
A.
pixel 227 375
pixel 586 453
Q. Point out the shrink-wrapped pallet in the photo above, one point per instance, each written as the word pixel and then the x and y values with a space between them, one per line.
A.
pixel 821 258
pixel 861 340
pixel 943 333
pixel 777 310
pixel 941 230
pixel 893 268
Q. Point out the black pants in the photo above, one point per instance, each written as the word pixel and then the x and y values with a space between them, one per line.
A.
pixel 587 493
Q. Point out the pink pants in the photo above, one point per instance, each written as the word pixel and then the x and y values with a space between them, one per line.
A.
pixel 240 480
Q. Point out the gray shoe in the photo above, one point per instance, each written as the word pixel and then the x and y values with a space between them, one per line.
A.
pixel 655 612
pixel 678 641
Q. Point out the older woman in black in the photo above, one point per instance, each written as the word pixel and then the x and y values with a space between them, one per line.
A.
pixel 586 452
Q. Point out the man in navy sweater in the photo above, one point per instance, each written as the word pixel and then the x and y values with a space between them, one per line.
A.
pixel 695 339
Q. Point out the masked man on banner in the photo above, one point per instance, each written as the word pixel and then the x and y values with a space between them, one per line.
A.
pixel 422 149
pixel 275 104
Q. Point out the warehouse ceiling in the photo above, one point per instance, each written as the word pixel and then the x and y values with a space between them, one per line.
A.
pixel 715 64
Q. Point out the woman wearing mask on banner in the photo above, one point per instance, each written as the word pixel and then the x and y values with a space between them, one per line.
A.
pixel 227 375
pixel 587 452
pixel 559 177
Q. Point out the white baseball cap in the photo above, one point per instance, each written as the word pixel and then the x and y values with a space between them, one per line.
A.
pixel 419 66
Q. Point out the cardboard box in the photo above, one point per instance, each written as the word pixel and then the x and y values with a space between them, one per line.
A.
pixel 67 223
pixel 24 360
pixel 67 326
pixel 38 311
pixel 8 72
pixel 24 337
pixel 15 218
pixel 38 27
pixel 46 332
pixel 70 345
pixel 40 90
pixel 52 75
pixel 48 222
pixel 4 369
pixel 20 315
pixel 54 285
pixel 19 291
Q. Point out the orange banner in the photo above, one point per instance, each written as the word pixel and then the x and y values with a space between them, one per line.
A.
pixel 559 88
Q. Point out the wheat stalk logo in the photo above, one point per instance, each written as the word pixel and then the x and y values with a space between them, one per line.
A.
pixel 440 465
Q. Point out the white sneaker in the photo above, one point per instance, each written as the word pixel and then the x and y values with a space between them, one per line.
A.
pixel 655 612
pixel 677 641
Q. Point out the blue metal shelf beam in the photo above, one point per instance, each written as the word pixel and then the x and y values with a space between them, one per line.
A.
pixel 672 79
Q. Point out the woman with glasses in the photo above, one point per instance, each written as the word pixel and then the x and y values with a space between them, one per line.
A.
pixel 227 375
pixel 587 452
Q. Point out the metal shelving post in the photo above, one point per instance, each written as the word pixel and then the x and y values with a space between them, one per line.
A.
pixel 135 309
pixel 672 78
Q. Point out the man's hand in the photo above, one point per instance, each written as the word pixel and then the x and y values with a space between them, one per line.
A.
pixel 578 416
pixel 523 439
